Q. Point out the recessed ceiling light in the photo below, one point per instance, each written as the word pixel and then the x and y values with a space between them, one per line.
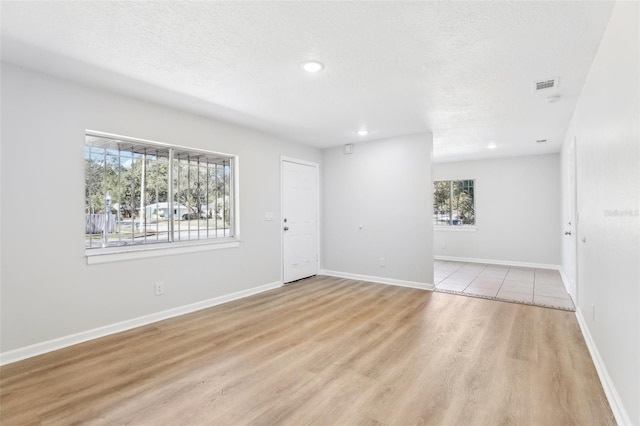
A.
pixel 492 146
pixel 362 132
pixel 312 66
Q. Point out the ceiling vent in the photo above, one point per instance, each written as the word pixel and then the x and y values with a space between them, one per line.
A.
pixel 541 141
pixel 546 84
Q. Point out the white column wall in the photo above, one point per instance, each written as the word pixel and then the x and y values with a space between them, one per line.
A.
pixel 377 204
pixel 606 127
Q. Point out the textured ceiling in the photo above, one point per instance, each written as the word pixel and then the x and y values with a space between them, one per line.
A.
pixel 462 70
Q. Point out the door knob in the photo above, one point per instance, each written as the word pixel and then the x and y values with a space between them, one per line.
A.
pixel 567 232
pixel 286 228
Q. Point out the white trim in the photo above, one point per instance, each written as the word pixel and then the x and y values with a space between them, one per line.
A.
pixel 152 142
pixel 317 167
pixel 84 336
pixel 117 254
pixel 453 228
pixel 565 282
pixel 622 418
pixel 379 280
pixel 498 262
pixel 298 161
pixel 120 253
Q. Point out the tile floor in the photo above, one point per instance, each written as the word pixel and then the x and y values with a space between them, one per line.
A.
pixel 525 285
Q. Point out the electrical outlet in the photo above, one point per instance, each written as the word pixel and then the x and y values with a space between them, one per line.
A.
pixel 382 262
pixel 159 289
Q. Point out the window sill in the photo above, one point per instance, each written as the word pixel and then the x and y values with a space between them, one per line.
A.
pixel 455 228
pixel 118 254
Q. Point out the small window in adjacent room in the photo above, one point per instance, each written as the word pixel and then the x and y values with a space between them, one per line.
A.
pixel 142 193
pixel 454 203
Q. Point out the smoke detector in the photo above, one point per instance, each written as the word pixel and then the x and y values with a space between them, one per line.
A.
pixel 545 84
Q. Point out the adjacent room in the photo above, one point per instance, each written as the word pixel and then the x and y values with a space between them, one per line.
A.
pixel 320 212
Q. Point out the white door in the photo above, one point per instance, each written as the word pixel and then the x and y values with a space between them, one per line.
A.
pixel 571 225
pixel 299 220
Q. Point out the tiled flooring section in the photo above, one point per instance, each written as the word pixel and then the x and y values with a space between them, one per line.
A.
pixel 527 285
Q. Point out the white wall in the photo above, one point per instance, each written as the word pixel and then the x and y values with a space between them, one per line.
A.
pixel 605 124
pixel 385 187
pixel 48 291
pixel 517 210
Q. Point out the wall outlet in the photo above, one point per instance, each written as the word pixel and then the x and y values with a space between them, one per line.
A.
pixel 159 289
pixel 382 262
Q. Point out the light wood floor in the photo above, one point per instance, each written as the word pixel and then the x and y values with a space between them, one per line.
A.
pixel 322 351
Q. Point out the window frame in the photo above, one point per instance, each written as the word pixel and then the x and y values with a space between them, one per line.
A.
pixel 108 254
pixel 452 227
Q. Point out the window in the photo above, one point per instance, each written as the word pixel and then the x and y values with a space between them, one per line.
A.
pixel 140 193
pixel 454 203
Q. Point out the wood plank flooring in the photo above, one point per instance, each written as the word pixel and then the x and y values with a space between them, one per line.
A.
pixel 324 351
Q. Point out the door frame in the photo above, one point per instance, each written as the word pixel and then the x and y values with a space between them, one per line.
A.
pixel 573 206
pixel 317 167
pixel 576 213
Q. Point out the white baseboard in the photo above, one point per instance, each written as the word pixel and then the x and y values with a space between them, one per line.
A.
pixel 379 280
pixel 73 339
pixel 498 262
pixel 622 418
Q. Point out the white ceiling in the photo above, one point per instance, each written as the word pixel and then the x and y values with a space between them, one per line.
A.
pixel 462 70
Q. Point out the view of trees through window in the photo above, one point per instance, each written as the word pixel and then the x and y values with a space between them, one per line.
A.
pixel 453 203
pixel 140 193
